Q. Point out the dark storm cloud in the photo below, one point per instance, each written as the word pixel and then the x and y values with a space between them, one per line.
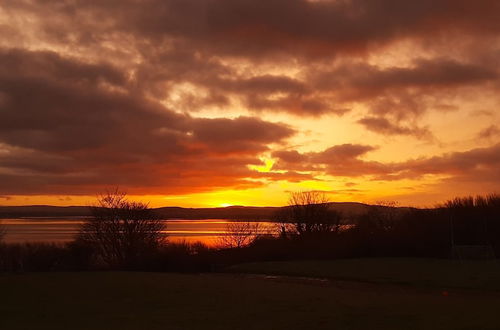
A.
pixel 113 101
pixel 248 27
pixel 24 63
pixel 475 169
pixel 267 84
pixel 297 105
pixel 280 30
pixel 28 160
pixel 479 165
pixel 344 151
pixel 289 156
pixel 339 160
pixel 386 127
pixel 61 125
pixel 238 135
pixel 191 41
pixel 400 92
pixel 356 81
pixel 483 161
pixel 489 132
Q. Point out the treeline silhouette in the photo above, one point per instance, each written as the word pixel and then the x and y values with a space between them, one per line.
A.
pixel 124 235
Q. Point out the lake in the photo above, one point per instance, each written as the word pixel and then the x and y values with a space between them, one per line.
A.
pixel 60 230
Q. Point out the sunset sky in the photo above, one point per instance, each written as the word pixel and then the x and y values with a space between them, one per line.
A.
pixel 213 103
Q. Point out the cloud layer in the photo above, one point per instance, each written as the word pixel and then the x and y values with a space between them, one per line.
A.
pixel 180 96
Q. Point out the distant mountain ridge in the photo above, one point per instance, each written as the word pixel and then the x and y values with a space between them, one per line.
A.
pixel 174 212
pixel 43 211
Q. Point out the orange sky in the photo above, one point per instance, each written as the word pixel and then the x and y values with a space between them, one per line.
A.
pixel 214 103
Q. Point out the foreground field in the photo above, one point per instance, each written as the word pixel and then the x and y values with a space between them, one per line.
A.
pixel 152 301
pixel 435 273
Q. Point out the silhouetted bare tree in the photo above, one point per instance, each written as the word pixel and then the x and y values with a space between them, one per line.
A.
pixel 239 234
pixel 122 232
pixel 382 217
pixel 474 219
pixel 309 213
pixel 378 227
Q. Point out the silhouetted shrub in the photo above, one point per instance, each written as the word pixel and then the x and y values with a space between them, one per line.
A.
pixel 2 231
pixel 42 257
pixel 239 234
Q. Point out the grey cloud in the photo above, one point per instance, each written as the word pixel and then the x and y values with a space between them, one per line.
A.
pixel 58 133
pixel 384 126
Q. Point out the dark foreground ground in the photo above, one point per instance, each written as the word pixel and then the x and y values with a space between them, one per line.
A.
pixel 417 272
pixel 148 301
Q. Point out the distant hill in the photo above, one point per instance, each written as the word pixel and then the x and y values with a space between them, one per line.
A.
pixel 43 211
pixel 230 212
pixel 349 209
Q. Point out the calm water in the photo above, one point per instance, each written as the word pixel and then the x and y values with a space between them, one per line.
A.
pixel 64 229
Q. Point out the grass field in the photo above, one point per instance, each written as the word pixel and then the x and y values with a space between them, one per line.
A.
pixel 149 301
pixel 437 273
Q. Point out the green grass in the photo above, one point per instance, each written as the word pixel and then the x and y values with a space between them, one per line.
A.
pixel 411 271
pixel 150 301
